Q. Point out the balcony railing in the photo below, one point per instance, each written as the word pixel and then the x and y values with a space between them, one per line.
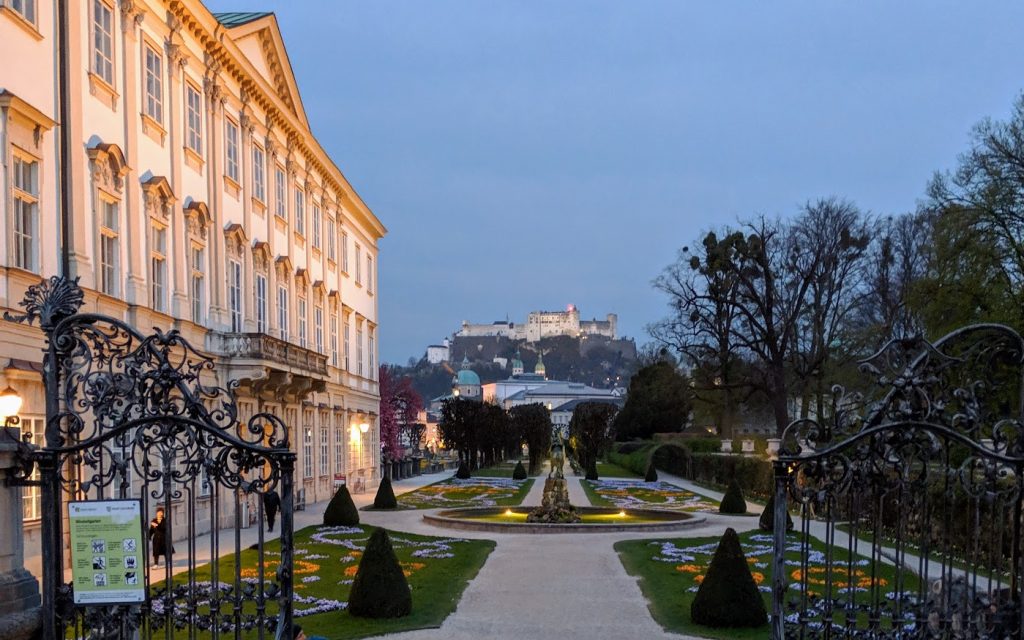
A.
pixel 260 346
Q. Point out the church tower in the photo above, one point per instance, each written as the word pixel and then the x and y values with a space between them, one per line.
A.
pixel 540 370
pixel 517 364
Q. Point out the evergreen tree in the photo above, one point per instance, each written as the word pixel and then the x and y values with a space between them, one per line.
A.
pixel 519 473
pixel 652 473
pixel 385 498
pixel 341 511
pixel 733 502
pixel 659 401
pixel 767 520
pixel 380 589
pixel 728 596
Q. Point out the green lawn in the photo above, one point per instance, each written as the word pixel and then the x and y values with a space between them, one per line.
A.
pixel 326 561
pixel 474 492
pixel 612 470
pixel 669 572
pixel 646 495
pixel 499 470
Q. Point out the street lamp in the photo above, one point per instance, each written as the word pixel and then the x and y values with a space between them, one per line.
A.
pixel 364 427
pixel 10 405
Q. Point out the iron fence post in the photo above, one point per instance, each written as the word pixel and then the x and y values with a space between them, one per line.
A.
pixel 779 560
pixel 284 570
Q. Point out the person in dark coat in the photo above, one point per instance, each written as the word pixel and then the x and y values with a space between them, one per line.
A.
pixel 271 504
pixel 158 537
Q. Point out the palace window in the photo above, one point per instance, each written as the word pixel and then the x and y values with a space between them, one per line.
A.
pixel 334 338
pixel 339 445
pixel 158 267
pixel 26 213
pixel 102 41
pixel 27 9
pixel 318 327
pixel 261 303
pixel 359 348
pixel 235 294
pixel 325 445
pixel 370 346
pixel 331 241
pixel 194 119
pixel 300 212
pixel 198 262
pixel 231 149
pixel 359 271
pixel 307 444
pixel 282 311
pixel 154 92
pixel 369 274
pixel 110 247
pixel 344 251
pixel 280 193
pixel 345 331
pixel 302 321
pixel 31 496
pixel 259 183
pixel 316 226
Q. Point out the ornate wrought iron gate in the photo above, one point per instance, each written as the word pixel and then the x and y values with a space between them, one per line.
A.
pixel 132 416
pixel 914 494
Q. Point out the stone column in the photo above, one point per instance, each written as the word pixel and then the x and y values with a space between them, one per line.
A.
pixel 20 612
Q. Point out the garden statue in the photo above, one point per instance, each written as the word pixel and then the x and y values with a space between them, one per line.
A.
pixel 555 507
pixel 557 458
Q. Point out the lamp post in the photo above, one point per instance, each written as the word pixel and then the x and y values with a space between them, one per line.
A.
pixel 10 405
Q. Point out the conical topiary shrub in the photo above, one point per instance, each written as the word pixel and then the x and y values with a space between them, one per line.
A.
pixel 652 473
pixel 341 511
pixel 519 473
pixel 385 498
pixel 379 589
pixel 733 501
pixel 767 520
pixel 728 596
pixel 591 473
pixel 463 472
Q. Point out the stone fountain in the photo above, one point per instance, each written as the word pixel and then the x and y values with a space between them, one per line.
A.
pixel 555 506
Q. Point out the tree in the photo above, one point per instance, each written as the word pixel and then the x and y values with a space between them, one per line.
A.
pixel 590 431
pixel 659 400
pixel 458 428
pixel 341 511
pixel 728 595
pixel 533 424
pixel 399 408
pixel 494 433
pixel 379 589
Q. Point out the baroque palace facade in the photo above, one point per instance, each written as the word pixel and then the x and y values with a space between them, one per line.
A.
pixel 201 201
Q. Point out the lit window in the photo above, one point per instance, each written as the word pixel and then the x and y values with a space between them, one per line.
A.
pixel 102 41
pixel 324 445
pixel 27 9
pixel 231 149
pixel 110 248
pixel 31 496
pixel 259 184
pixel 198 271
pixel 261 303
pixel 194 108
pixel 339 446
pixel 280 193
pixel 158 267
pixel 235 294
pixel 154 85
pixel 282 312
pixel 302 321
pixel 300 212
pixel 307 444
pixel 334 339
pixel 26 213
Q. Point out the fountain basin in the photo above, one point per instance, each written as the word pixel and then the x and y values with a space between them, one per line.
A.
pixel 594 520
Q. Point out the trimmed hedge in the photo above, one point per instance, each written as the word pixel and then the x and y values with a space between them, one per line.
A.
pixel 380 589
pixel 463 472
pixel 519 473
pixel 341 511
pixel 728 596
pixel 732 501
pixel 755 475
pixel 385 498
pixel 652 473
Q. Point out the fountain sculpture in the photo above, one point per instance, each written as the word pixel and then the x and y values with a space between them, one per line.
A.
pixel 555 506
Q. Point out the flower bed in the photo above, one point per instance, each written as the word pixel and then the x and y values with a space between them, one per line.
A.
pixel 646 495
pixel 325 563
pixel 473 492
pixel 670 573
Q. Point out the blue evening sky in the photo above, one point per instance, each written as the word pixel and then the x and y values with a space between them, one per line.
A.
pixel 525 155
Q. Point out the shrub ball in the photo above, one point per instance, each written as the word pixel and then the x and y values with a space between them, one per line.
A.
pixel 728 596
pixel 385 498
pixel 380 589
pixel 733 501
pixel 341 511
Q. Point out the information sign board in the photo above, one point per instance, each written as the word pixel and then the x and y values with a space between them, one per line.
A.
pixel 107 554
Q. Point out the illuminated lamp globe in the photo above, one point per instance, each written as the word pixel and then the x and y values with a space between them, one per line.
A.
pixel 364 427
pixel 10 403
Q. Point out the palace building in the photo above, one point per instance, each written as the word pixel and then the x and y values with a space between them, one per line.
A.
pixel 200 201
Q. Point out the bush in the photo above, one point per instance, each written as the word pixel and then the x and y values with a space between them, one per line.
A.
pixel 341 511
pixel 463 472
pixel 652 473
pixel 379 589
pixel 385 498
pixel 519 473
pixel 733 501
pixel 704 445
pixel 626 448
pixel 728 596
pixel 767 520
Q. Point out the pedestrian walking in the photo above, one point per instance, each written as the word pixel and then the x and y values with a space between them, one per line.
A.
pixel 271 503
pixel 158 537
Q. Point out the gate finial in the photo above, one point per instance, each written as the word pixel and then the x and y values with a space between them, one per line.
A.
pixel 50 301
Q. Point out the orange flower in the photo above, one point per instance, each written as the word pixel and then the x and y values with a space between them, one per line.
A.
pixel 758 576
pixel 351 570
pixel 699 579
pixel 689 568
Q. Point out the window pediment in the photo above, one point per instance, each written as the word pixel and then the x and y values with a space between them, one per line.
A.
pixel 108 167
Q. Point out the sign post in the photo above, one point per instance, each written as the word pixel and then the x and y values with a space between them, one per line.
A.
pixel 107 554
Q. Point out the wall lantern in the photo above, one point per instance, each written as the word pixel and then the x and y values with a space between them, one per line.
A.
pixel 10 403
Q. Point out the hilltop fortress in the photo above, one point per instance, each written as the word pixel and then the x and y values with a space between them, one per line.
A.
pixel 543 324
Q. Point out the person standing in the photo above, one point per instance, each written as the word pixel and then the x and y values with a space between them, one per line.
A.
pixel 158 537
pixel 271 503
